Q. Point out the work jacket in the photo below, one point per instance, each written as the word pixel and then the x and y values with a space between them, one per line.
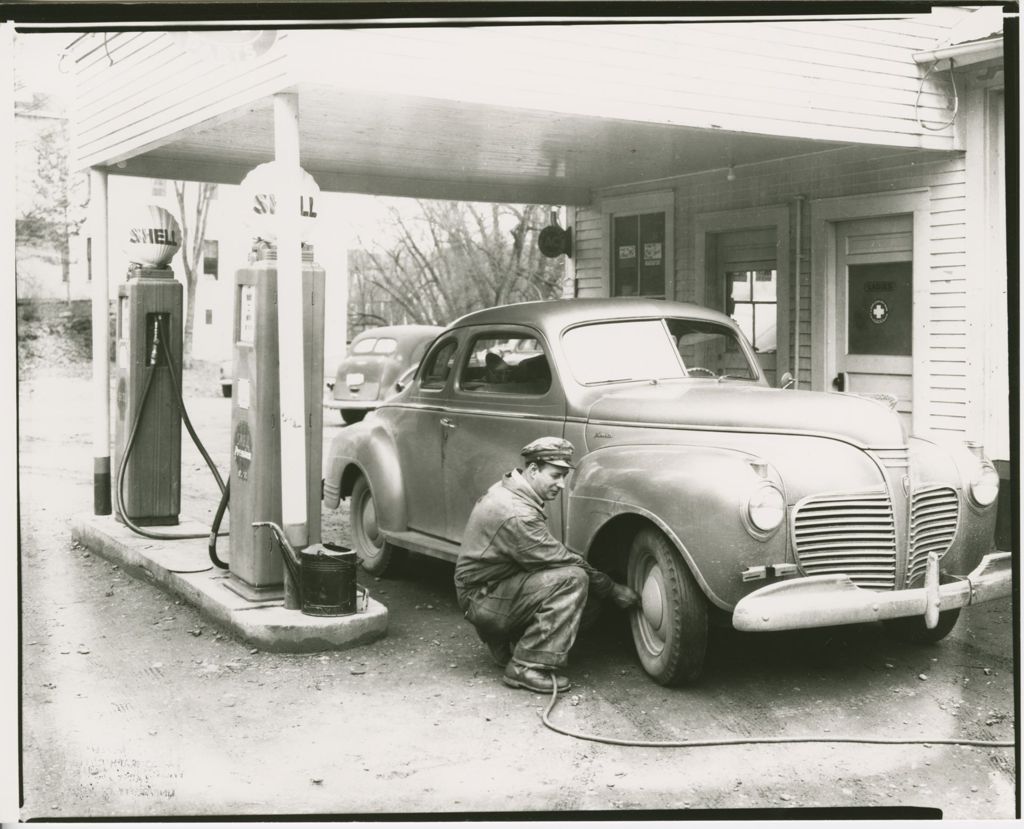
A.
pixel 508 533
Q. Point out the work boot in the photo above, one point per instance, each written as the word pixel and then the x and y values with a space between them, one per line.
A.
pixel 501 651
pixel 533 679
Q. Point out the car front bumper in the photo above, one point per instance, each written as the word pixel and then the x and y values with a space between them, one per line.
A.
pixel 820 601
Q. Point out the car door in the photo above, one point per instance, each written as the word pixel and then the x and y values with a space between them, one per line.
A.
pixel 418 435
pixel 494 412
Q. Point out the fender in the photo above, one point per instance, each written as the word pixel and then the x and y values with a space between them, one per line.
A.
pixel 369 447
pixel 696 495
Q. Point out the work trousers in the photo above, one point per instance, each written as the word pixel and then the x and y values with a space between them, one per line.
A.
pixel 537 612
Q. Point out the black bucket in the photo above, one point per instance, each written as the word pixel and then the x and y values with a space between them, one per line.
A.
pixel 328 574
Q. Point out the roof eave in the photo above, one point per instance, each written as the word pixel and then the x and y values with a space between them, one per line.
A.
pixel 963 54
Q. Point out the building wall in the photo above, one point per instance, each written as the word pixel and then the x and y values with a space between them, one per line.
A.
pixel 947 368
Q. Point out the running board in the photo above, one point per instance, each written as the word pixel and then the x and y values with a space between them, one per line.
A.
pixel 425 544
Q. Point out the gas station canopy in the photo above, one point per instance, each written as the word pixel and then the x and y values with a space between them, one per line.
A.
pixel 545 114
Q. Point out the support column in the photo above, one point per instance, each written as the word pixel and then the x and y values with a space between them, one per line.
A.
pixel 289 331
pixel 99 220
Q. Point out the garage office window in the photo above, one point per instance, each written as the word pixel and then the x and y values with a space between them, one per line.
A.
pixel 637 259
pixel 752 302
pixel 638 255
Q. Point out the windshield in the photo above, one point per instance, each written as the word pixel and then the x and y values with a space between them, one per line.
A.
pixel 623 351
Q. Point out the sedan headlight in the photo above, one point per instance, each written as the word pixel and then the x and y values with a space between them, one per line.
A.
pixel 766 507
pixel 985 484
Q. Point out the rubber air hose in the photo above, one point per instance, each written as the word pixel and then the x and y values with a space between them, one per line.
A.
pixel 221 507
pixel 743 741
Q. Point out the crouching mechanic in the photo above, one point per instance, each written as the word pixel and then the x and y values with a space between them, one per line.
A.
pixel 519 586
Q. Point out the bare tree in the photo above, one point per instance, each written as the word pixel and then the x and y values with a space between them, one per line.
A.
pixel 449 258
pixel 193 209
pixel 54 208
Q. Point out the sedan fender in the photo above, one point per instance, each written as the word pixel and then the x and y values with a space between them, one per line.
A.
pixel 697 496
pixel 367 449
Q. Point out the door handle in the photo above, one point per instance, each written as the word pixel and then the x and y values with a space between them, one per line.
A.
pixel 448 423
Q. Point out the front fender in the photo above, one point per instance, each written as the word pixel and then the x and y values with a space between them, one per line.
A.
pixel 697 495
pixel 367 448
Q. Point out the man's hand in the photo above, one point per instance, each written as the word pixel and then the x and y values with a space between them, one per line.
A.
pixel 624 596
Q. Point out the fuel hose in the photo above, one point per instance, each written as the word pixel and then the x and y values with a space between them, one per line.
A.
pixel 743 741
pixel 129 444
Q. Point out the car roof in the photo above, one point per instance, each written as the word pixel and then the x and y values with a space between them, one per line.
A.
pixel 561 313
pixel 399 332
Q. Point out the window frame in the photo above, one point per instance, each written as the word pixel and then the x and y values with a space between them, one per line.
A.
pixel 421 371
pixel 639 204
pixel 496 334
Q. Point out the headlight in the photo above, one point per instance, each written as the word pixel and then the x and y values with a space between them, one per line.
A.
pixel 766 507
pixel 985 485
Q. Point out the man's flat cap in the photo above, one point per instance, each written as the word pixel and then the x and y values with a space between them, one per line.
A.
pixel 555 451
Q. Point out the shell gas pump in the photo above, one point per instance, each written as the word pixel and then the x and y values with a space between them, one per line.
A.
pixel 147 453
pixel 256 571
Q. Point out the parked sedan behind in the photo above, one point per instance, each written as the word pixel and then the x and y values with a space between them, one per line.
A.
pixel 377 358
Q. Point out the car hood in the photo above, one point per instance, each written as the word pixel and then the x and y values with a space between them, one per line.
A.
pixel 707 403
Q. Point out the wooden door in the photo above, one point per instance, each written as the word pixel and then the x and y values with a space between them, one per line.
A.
pixel 874 310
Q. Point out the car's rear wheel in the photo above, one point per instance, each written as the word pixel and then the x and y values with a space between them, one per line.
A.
pixel 670 628
pixel 913 629
pixel 352 415
pixel 378 557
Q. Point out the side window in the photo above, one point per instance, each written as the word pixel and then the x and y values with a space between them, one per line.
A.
pixel 438 365
pixel 506 364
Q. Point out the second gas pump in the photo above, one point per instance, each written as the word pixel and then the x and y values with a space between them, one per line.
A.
pixel 267 298
pixel 256 558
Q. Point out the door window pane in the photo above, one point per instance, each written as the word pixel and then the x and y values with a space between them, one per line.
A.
pixel 879 308
pixel 506 364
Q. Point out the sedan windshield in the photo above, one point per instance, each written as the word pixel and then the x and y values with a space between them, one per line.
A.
pixel 624 351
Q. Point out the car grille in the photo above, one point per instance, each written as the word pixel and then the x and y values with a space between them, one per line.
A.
pixel 934 513
pixel 847 533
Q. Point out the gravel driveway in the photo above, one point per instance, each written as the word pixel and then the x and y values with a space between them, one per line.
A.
pixel 134 705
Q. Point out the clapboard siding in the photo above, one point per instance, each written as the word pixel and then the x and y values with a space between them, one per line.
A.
pixel 853 171
pixel 588 240
pixel 140 89
pixel 819 79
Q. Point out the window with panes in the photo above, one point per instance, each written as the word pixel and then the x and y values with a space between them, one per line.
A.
pixel 638 255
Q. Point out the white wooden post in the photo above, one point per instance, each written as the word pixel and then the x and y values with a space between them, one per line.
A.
pixel 98 220
pixel 291 371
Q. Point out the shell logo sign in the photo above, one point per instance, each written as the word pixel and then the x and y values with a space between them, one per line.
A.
pixel 258 192
pixel 153 239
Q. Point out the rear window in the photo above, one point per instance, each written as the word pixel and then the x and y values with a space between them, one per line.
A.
pixel 374 345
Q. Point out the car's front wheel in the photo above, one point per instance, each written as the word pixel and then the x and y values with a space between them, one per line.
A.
pixel 670 628
pixel 377 556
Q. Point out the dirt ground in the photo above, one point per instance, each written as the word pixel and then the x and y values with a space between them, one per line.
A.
pixel 134 705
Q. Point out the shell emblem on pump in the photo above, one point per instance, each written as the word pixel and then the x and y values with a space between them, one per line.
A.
pixel 153 238
pixel 242 451
pixel 259 195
